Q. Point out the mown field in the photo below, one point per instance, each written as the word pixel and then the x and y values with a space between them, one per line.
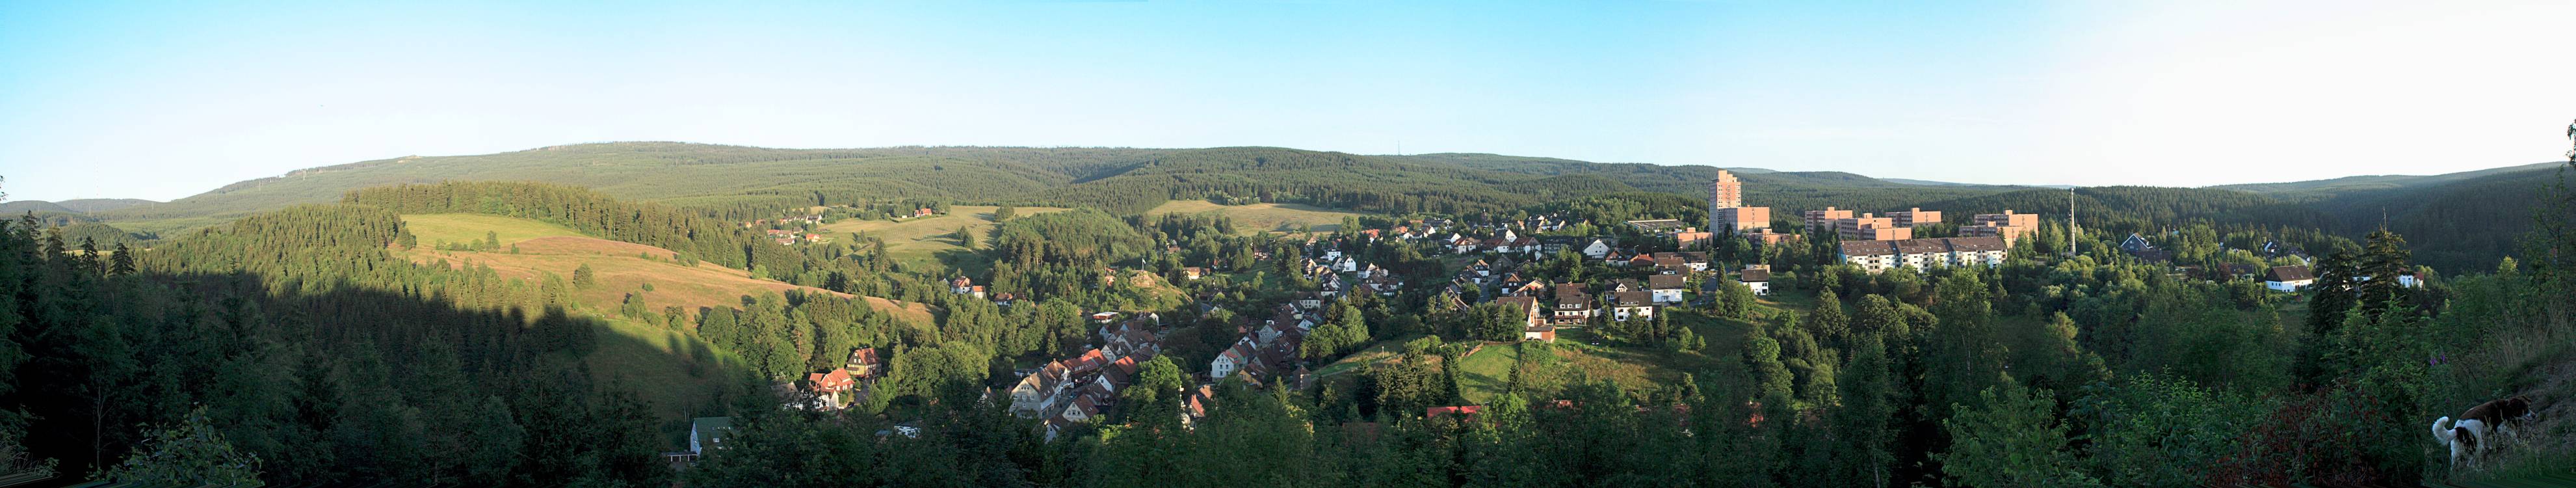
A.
pixel 922 240
pixel 622 267
pixel 1574 357
pixel 1262 217
pixel 438 230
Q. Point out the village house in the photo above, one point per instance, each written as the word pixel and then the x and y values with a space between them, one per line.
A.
pixel 965 286
pixel 1243 353
pixel 1641 261
pixel 1464 245
pixel 864 364
pixel 1573 306
pixel 1193 273
pixel 1599 248
pixel 1666 289
pixel 1632 304
pixel 2288 278
pixel 828 387
pixel 1757 279
pixel 708 434
pixel 1383 284
pixel 1534 325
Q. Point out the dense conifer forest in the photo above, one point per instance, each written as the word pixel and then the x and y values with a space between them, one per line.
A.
pixel 300 346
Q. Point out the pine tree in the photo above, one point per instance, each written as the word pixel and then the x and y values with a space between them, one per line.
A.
pixel 1828 323
pixel 122 262
pixel 2011 437
pixel 2383 261
pixel 1772 379
pixel 89 262
pixel 1861 424
pixel 583 277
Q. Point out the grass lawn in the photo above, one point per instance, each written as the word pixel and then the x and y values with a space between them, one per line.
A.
pixel 922 241
pixel 1635 367
pixel 1384 350
pixel 621 266
pixel 1262 217
pixel 674 370
pixel 1481 375
pixel 435 230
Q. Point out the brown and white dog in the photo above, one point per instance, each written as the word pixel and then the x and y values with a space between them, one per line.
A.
pixel 2471 433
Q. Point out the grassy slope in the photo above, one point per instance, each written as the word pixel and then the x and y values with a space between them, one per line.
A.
pixel 673 369
pixel 1358 361
pixel 1631 366
pixel 435 230
pixel 922 240
pixel 548 248
pixel 1262 217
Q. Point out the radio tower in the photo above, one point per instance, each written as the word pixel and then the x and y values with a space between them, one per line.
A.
pixel 2070 222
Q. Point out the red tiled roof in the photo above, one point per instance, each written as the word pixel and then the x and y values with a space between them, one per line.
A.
pixel 1437 412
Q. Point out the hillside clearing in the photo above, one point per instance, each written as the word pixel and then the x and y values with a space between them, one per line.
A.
pixel 1262 217
pixel 622 268
pixel 437 230
pixel 920 241
pixel 1358 361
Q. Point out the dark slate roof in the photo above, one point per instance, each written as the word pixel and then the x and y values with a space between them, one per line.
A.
pixel 1989 243
pixel 2288 273
pixel 1664 282
pixel 1755 276
pixel 1633 298
pixel 1869 248
pixel 1921 246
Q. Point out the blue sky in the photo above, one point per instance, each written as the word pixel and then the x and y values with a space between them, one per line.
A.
pixel 165 100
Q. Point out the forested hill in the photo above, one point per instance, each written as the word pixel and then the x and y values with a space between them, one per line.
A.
pixel 1120 180
pixel 2328 188
pixel 2457 221
pixel 2460 219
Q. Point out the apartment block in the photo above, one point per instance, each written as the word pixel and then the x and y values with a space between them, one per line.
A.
pixel 1823 220
pixel 1876 256
pixel 1871 227
pixel 2008 225
pixel 1915 217
pixel 1744 220
pixel 1726 191
pixel 1726 210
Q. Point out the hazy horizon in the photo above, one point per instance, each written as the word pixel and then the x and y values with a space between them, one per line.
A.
pixel 153 101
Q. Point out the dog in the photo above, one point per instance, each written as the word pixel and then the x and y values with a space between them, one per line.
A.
pixel 2471 433
pixel 2497 413
pixel 2465 437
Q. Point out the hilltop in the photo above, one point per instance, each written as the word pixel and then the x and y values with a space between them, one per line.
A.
pixel 2463 219
pixel 1118 179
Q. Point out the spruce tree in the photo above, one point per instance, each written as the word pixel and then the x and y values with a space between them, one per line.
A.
pixel 123 262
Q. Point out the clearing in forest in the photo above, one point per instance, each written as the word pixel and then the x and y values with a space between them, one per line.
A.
pixel 1262 217
pixel 921 240
pixel 622 268
pixel 438 230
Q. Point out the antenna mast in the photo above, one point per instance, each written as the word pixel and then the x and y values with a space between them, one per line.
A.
pixel 2070 222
